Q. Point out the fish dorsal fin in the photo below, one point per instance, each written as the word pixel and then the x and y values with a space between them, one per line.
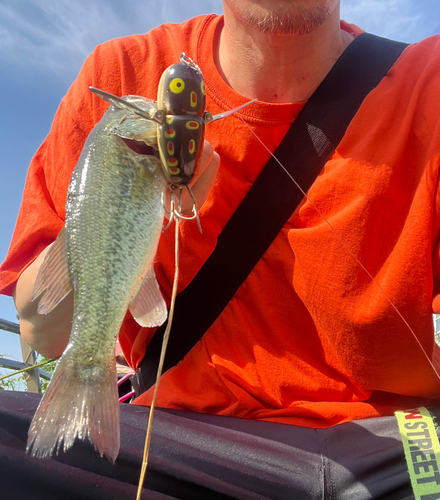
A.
pixel 53 280
pixel 148 307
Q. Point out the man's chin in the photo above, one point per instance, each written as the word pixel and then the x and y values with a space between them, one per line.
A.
pixel 285 18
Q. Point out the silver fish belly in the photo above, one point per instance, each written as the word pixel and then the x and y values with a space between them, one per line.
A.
pixel 105 253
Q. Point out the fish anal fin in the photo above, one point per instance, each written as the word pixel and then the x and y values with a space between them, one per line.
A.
pixel 148 307
pixel 53 281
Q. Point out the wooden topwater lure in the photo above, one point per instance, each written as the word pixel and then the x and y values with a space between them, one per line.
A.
pixel 181 117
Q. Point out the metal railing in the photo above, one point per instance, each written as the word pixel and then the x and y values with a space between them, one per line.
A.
pixel 32 377
pixel 8 326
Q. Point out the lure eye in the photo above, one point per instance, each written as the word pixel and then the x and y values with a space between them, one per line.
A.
pixel 202 87
pixel 177 85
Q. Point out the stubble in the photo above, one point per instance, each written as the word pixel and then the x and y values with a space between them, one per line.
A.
pixel 281 22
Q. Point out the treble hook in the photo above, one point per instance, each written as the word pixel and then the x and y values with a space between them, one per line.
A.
pixel 170 212
pixel 176 211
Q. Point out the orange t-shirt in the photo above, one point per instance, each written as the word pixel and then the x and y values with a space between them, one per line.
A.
pixel 308 339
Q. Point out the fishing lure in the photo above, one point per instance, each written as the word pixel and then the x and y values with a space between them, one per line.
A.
pixel 181 117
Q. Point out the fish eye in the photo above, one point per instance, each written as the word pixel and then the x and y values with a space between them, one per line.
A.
pixel 177 85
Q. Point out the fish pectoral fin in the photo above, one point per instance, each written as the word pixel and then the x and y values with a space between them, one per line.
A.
pixel 53 280
pixel 148 307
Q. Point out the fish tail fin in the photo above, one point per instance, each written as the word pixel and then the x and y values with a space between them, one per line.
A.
pixel 77 403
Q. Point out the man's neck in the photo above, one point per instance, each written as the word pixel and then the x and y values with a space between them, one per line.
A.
pixel 274 68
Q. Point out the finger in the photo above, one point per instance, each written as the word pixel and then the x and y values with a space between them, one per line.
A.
pixel 204 180
pixel 207 154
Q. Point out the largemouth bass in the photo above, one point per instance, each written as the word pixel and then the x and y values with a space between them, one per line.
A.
pixel 104 253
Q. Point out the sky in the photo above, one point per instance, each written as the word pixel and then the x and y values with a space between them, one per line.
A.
pixel 43 44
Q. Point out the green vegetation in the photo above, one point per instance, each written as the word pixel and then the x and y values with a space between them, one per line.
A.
pixel 50 367
pixel 13 383
pixel 16 381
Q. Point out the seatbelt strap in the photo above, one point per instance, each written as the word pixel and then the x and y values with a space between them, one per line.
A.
pixel 272 199
pixel 422 452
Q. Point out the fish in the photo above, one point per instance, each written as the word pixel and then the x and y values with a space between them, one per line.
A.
pixel 104 254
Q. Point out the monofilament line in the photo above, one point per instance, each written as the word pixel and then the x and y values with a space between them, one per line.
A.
pixel 161 361
pixel 381 290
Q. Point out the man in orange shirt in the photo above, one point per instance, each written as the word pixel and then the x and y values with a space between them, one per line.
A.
pixel 307 340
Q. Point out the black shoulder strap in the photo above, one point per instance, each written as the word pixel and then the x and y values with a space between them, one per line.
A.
pixel 273 198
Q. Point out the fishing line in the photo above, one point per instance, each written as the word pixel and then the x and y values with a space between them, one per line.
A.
pixel 162 355
pixel 346 247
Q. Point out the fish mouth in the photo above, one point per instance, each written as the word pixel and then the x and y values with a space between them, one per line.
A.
pixel 139 147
